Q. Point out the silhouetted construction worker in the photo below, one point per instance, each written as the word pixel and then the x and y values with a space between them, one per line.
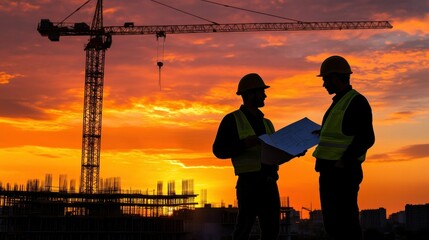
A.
pixel 237 138
pixel 345 136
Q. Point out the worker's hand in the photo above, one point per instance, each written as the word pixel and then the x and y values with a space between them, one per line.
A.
pixel 301 154
pixel 252 141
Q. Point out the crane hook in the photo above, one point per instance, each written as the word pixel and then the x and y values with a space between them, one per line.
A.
pixel 159 62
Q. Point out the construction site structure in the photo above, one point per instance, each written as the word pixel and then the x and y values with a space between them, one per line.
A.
pixel 38 214
pixel 41 211
pixel 100 39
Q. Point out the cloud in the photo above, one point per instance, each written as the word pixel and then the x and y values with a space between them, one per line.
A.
pixel 401 116
pixel 199 164
pixel 406 153
pixel 355 10
pixel 415 151
pixel 18 6
pixel 15 109
pixel 406 91
pixel 30 98
pixel 5 78
pixel 48 155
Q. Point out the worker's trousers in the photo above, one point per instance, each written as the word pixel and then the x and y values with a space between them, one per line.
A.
pixel 339 189
pixel 257 198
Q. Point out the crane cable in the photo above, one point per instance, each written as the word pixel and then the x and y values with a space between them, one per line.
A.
pixel 159 62
pixel 75 11
pixel 248 10
pixel 193 15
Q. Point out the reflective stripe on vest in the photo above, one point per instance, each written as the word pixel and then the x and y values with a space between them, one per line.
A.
pixel 333 143
pixel 250 159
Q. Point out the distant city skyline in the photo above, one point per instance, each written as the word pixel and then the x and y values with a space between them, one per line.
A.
pixel 52 215
pixel 112 185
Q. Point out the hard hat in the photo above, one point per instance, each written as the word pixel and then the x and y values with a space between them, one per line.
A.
pixel 250 81
pixel 334 64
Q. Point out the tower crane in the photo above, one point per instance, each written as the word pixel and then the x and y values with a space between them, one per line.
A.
pixel 100 39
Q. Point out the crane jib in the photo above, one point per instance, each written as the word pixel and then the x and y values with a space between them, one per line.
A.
pixel 54 30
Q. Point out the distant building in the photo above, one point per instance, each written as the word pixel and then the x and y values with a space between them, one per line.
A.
pixel 316 217
pixel 373 219
pixel 417 217
pixel 397 218
pixel 211 222
pixel 313 226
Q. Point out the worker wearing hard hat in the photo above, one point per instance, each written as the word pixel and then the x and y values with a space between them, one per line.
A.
pixel 237 138
pixel 345 136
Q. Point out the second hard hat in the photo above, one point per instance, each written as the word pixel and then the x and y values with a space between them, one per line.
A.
pixel 250 81
pixel 335 64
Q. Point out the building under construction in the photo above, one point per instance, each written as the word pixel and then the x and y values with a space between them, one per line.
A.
pixel 34 212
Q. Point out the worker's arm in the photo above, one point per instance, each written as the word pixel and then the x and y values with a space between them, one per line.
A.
pixel 227 143
pixel 358 123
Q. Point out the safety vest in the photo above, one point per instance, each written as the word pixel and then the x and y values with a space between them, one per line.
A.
pixel 333 143
pixel 250 159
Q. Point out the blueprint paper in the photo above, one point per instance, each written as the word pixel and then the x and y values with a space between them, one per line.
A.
pixel 294 138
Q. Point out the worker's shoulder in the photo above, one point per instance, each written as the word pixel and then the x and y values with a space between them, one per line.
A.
pixel 360 102
pixel 360 98
pixel 229 116
pixel 232 113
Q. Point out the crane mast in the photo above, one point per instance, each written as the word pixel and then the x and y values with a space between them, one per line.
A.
pixel 100 39
pixel 93 101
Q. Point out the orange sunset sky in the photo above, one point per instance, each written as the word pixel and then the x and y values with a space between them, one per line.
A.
pixel 153 134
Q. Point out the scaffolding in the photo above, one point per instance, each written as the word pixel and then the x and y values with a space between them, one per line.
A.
pixel 30 214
